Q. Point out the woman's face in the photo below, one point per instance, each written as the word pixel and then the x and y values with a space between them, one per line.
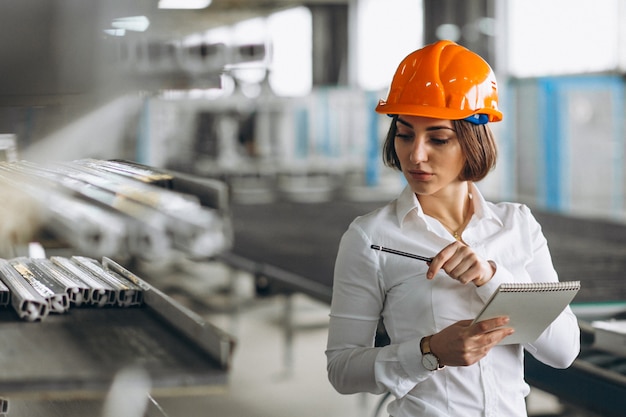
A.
pixel 429 153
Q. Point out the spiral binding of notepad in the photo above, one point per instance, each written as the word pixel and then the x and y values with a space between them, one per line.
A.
pixel 540 286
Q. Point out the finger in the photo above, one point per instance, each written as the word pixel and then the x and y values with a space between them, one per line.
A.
pixel 434 266
pixel 497 335
pixel 466 271
pixel 456 267
pixel 440 259
pixel 464 265
pixel 489 325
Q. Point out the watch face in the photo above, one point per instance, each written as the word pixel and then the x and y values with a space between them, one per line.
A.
pixel 430 362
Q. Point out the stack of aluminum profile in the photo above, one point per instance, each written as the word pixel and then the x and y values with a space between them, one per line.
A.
pixel 146 227
pixel 52 290
pixel 101 212
pixel 194 229
pixel 4 406
pixel 140 173
pixel 110 265
pixel 5 295
pixel 29 304
pixel 126 292
pixel 100 294
pixel 78 291
pixel 75 221
pixel 36 287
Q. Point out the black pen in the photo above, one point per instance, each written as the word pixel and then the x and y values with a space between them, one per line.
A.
pixel 397 252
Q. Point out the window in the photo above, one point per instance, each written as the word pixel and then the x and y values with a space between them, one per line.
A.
pixel 563 36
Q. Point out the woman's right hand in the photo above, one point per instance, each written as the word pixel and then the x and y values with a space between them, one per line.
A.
pixel 464 343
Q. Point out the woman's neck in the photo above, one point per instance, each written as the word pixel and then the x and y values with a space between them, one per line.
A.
pixel 453 207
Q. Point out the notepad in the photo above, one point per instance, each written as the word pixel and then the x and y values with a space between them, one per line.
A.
pixel 531 307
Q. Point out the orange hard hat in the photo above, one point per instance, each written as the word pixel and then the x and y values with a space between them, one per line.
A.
pixel 444 80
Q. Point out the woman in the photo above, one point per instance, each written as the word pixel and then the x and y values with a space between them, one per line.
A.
pixel 437 362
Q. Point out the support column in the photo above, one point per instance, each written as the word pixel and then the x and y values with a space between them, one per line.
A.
pixel 330 44
pixel 473 20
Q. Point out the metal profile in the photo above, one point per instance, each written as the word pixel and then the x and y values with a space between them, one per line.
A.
pixel 29 304
pixel 211 338
pixel 99 294
pixel 126 292
pixel 150 223
pixel 77 290
pixel 193 228
pixel 52 291
pixel 144 218
pixel 4 406
pixel 144 174
pixel 85 226
pixel 5 295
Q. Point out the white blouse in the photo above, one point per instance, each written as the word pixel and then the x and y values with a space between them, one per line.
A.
pixel 369 284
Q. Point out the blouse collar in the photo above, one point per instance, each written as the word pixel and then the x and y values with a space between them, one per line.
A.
pixel 408 205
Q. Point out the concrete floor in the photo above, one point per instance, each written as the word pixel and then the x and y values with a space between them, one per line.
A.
pixel 270 375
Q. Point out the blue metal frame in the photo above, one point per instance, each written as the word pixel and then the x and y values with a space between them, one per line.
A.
pixel 372 159
pixel 554 187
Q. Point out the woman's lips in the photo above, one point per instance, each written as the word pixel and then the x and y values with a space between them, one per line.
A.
pixel 420 175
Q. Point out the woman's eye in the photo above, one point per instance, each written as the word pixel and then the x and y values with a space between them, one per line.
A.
pixel 404 136
pixel 438 141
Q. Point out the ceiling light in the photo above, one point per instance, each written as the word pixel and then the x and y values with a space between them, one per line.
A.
pixel 184 4
pixel 134 23
pixel 115 32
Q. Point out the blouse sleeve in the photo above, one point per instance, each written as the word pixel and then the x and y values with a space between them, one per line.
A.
pixel 559 345
pixel 353 363
pixel 355 310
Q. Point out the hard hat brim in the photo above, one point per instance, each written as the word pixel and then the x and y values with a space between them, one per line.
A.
pixel 434 112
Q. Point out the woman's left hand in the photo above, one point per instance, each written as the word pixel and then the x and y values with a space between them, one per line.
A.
pixel 461 263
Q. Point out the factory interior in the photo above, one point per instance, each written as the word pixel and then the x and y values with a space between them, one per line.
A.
pixel 200 160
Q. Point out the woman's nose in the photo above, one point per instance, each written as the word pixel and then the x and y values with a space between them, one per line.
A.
pixel 418 152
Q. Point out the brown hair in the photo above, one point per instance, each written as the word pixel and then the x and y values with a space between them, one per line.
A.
pixel 477 143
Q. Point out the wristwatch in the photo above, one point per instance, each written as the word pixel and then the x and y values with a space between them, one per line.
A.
pixel 429 360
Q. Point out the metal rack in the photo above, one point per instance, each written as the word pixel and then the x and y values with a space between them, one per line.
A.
pixel 79 353
pixel 73 358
